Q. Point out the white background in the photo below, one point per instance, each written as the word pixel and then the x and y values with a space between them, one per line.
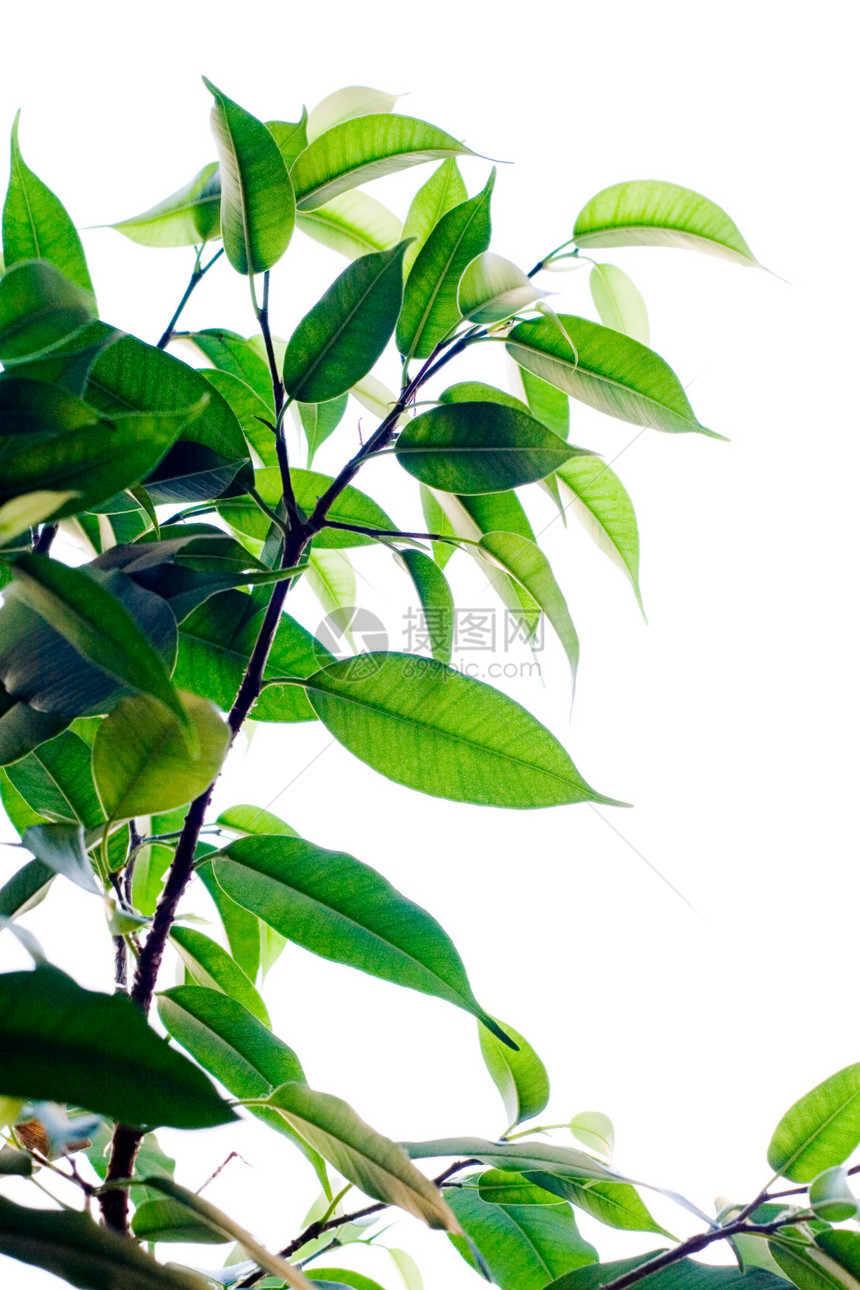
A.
pixel 729 722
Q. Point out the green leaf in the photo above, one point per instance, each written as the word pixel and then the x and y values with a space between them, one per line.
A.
pixel 351 507
pixel 479 448
pixel 242 929
pixel 830 1196
pixel 229 352
pixel 603 505
pixel 443 191
pixel 606 370
pixel 618 302
pixel 595 1131
pixel 814 1268
pixel 62 847
pixel 15 1162
pixel 352 224
pixel 28 510
pixel 57 780
pixel 83 1253
pixel 40 310
pixel 493 289
pixel 437 521
pixel 408 1269
pixel 549 404
pixel 372 1162
pixel 331 578
pixel 290 136
pixel 25 889
pixel 344 105
pixel 61 1043
pixel 430 308
pixel 501 1187
pixel 37 226
pixel 366 148
pixel 170 1220
pixel 340 1279
pixel 141 759
pixel 821 1129
pixel 518 1073
pixel 99 627
pixel 187 217
pixel 648 212
pixel 253 819
pixel 437 602
pixel 683 1275
pixel 258 211
pixel 524 1246
pixel 519 1157
pixel 427 726
pixel 340 339
pixel 319 421
pixel 207 964
pixel 525 561
pixel 617 1204
pixel 249 408
pixel 337 907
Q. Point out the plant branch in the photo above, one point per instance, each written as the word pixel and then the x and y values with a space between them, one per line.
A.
pixel 394 533
pixel 197 273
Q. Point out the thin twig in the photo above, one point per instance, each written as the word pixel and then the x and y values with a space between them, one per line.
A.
pixel 197 274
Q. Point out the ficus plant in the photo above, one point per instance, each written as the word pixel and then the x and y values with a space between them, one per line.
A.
pixel 154 516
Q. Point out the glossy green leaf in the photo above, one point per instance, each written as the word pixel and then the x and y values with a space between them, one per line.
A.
pixel 524 1246
pixel 344 105
pixel 437 521
pixel 518 1073
pixel 253 413
pixel 606 370
pixel 351 507
pixel 595 1131
pixel 649 212
pixel 290 136
pixel 141 758
pixel 57 780
pixel 342 336
pixel 242 929
pixel 519 1157
pixel 37 226
pixel 99 626
pixel 502 1187
pixel 686 1274
pixel 341 909
pixel 830 1196
pixel 40 311
pixel 493 289
pixel 437 602
pixel 603 505
pixel 618 302
pixel 366 148
pixel 62 847
pixel 61 1043
pixel 254 819
pixel 479 448
pixel 207 964
pixel 215 644
pixel 427 726
pixel 616 1204
pixel 352 224
pixel 319 421
pixel 331 578
pixel 187 217
pixel 25 889
pixel 83 1253
pixel 230 352
pixel 546 402
pixel 430 308
pixel 372 1162
pixel 170 1220
pixel 820 1130
pixel 28 510
pixel 442 191
pixel 340 1279
pixel 257 202
pixel 811 1267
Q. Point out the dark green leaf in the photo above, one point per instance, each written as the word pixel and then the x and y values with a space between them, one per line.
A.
pixel 340 339
pixel 37 226
pixel 518 1073
pixel 57 780
pixel 430 308
pixel 230 352
pixel 62 847
pixel 812 1268
pixel 258 211
pixel 479 448
pixel 207 964
pixel 821 1129
pixel 15 1162
pixel 686 1274
pixel 366 148
pixel 170 1220
pixel 25 889
pixel 60 1043
pixel 437 602
pixel 432 728
pixel 606 370
pixel 187 217
pixel 442 191
pixel 39 311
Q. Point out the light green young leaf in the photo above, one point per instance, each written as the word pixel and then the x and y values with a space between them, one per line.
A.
pixel 518 1073
pixel 28 510
pixel 438 521
pixel 341 909
pixel 820 1130
pixel 61 1043
pixel 443 191
pixel 618 302
pixel 344 105
pixel 254 819
pixel 207 964
pixel 188 217
pixel 616 1204
pixel 258 210
pixel 408 1269
pixel 479 448
pixel 595 1131
pixel 352 224
pixel 433 729
pixel 830 1195
pixel 648 212
pixel 372 1162
pixel 331 578
pixel 140 756
pixel 437 601
pixel 341 337
pixel 606 370
pixel 319 421
pixel 549 404
pixel 62 847
pixel 603 505
pixel 37 226
pixel 493 289
pixel 430 308
pixel 374 395
pixel 366 148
